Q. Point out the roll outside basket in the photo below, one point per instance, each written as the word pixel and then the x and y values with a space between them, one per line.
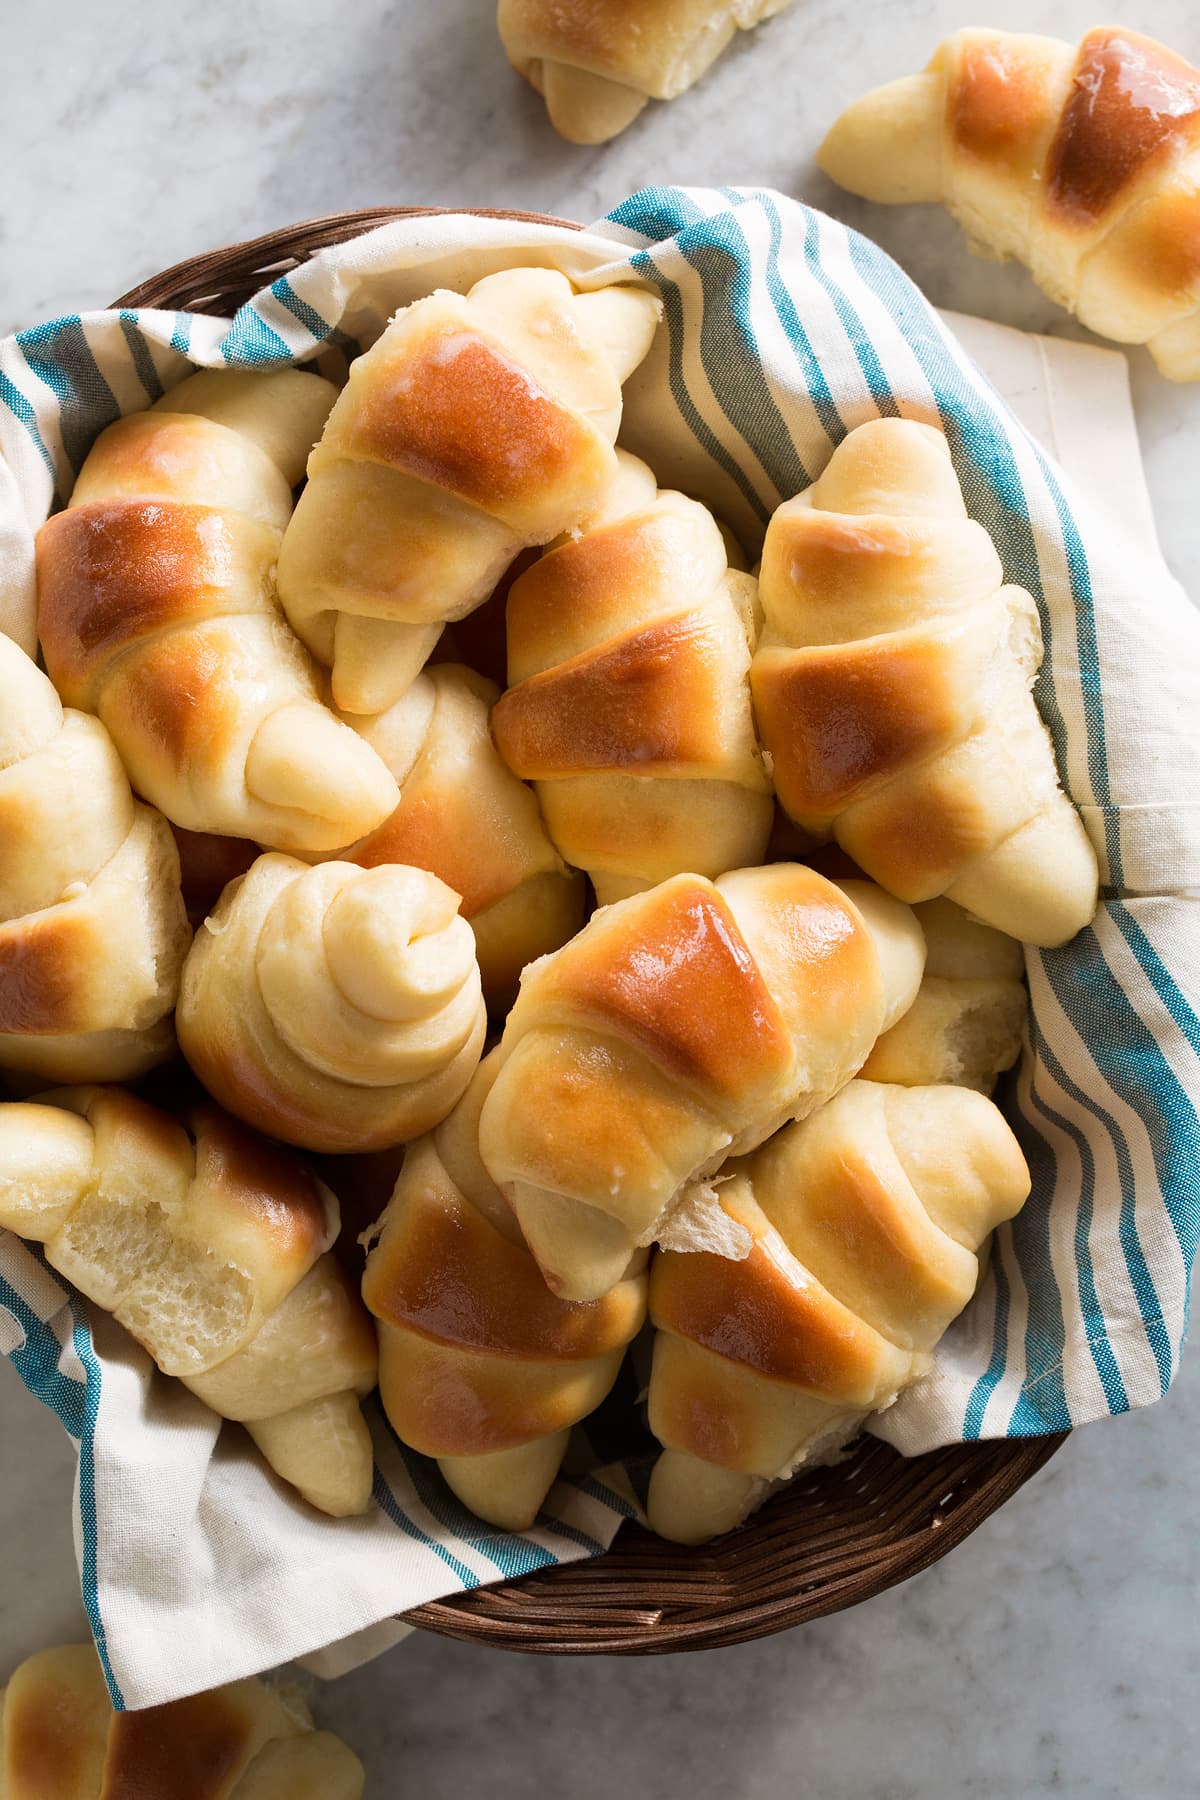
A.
pixel 832 1538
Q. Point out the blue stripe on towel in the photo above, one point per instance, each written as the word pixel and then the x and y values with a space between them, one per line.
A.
pixel 510 1555
pixel 1093 1316
pixel 587 1484
pixel 717 250
pixel 1131 1062
pixel 140 356
pixel 318 328
pixel 873 371
pixel 60 355
pixel 89 1529
pixel 250 343
pixel 985 1387
pixel 788 314
pixel 17 404
pixel 37 1363
pixel 643 264
pixel 385 1498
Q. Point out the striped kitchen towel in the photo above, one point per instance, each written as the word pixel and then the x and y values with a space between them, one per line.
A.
pixel 781 332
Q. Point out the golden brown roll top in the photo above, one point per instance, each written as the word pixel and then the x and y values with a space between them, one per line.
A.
pixel 629 658
pixel 682 1025
pixel 1084 164
pixel 157 611
pixel 92 925
pixel 480 1364
pixel 476 424
pixel 209 1245
pixel 61 1740
pixel 336 1007
pixel 865 1221
pixel 466 818
pixel 892 690
pixel 597 62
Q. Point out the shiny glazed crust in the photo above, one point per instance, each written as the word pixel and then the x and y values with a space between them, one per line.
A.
pixel 475 425
pixel 865 1222
pixel 629 652
pixel 679 1025
pixel 1083 164
pixel 480 1364
pixel 892 690
pixel 157 611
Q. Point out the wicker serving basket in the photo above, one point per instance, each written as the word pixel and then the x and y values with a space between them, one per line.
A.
pixel 826 1542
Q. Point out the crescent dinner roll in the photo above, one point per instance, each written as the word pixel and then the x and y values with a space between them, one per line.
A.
pixel 157 611
pixel 682 1026
pixel 93 930
pixel 61 1740
pixel 209 1245
pixel 865 1220
pixel 481 1365
pixel 892 687
pixel 598 61
pixel 477 424
pixel 335 1007
pixel 629 648
pixel 1082 163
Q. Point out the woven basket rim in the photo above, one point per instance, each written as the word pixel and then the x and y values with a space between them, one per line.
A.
pixel 828 1541
pixel 294 244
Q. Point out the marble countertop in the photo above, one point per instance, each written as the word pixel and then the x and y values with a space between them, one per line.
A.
pixel 1055 1652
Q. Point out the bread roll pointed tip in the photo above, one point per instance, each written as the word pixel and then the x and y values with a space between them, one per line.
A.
pixel 586 108
pixel 691 1501
pixel 887 146
pixel 323 1449
pixel 507 1487
pixel 309 764
pixel 376 661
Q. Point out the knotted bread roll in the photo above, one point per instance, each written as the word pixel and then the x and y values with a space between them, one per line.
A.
pixel 92 924
pixel 1083 164
pixel 680 1027
pixel 597 62
pixel 335 1007
pixel 209 1246
pixel 892 690
pixel 480 1365
pixel 629 706
pixel 477 424
pixel 865 1222
pixel 61 1740
pixel 157 611
pixel 964 1027
pixel 465 817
